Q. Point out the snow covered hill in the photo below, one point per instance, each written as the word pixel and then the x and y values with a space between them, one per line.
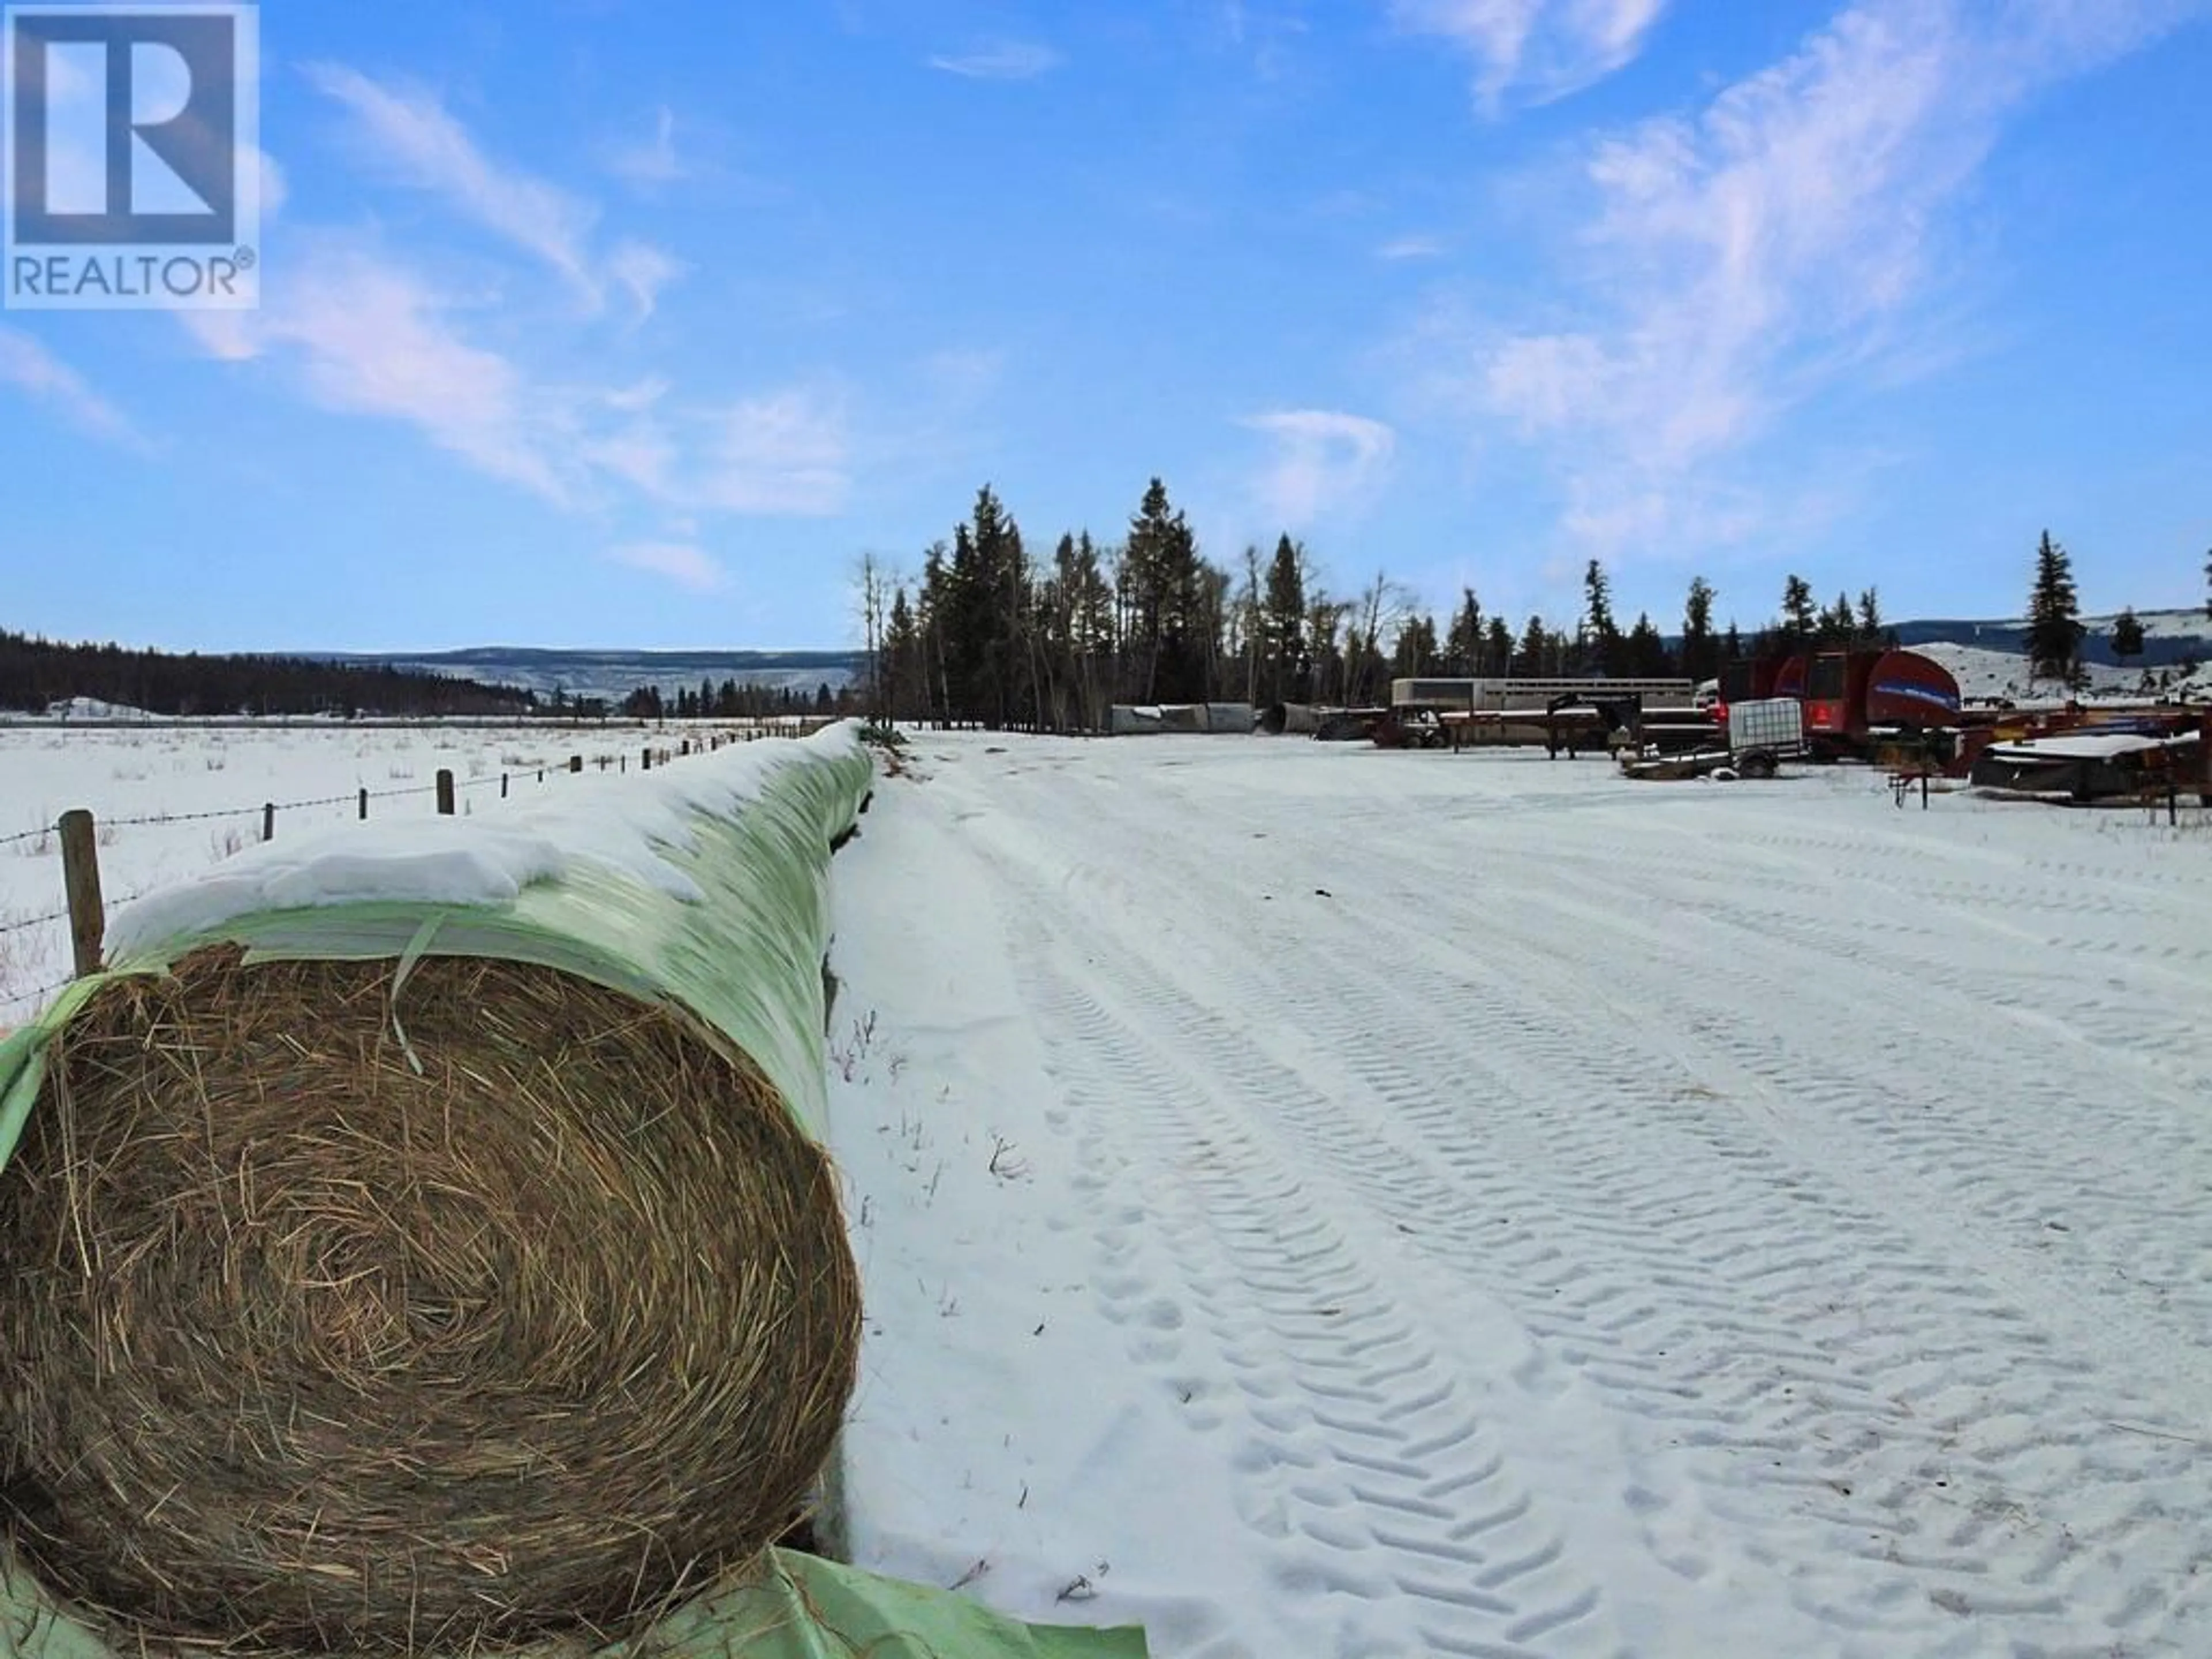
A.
pixel 2170 637
pixel 1986 676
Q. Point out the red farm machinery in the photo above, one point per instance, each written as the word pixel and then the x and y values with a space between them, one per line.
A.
pixel 1858 703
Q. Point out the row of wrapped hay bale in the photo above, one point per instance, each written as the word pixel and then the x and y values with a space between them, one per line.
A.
pixel 423 1241
pixel 1140 720
pixel 1326 725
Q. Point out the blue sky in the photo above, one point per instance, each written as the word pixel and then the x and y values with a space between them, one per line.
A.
pixel 602 323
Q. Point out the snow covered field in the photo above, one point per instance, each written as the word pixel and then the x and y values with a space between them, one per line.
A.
pixel 210 785
pixel 1318 1201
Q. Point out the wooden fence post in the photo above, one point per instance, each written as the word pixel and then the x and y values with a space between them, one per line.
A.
pixel 81 877
pixel 575 762
pixel 445 793
pixel 645 764
pixel 269 820
pixel 502 785
pixel 364 806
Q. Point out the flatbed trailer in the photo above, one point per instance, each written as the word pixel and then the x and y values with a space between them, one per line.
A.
pixel 1760 736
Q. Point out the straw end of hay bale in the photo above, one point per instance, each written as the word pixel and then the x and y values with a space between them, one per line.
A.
pixel 314 1338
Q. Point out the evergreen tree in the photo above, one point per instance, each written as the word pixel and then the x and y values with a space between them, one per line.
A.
pixel 1700 652
pixel 2054 627
pixel 963 626
pixel 1602 635
pixel 1870 626
pixel 1800 616
pixel 2127 635
pixel 936 606
pixel 1463 645
pixel 1645 650
pixel 1837 623
pixel 1091 632
pixel 1415 654
pixel 1497 649
pixel 1161 583
pixel 1283 621
pixel 1001 606
pixel 1325 678
pixel 1535 643
pixel 903 672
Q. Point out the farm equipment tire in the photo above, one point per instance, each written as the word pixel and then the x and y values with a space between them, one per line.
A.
pixel 1758 763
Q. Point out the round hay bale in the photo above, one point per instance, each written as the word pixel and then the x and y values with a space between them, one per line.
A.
pixel 317 1335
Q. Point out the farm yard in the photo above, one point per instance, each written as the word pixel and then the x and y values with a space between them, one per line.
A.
pixel 1316 1200
pixel 1452 902
pixel 1312 1199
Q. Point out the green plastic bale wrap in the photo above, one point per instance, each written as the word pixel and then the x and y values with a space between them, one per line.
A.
pixel 787 1605
pixel 421 1240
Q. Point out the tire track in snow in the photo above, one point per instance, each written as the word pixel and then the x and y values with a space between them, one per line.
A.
pixel 1363 1446
pixel 2020 1162
pixel 1846 1373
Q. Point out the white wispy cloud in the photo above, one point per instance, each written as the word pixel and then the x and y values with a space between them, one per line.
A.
pixel 788 453
pixel 642 271
pixel 276 190
pixel 785 453
pixel 365 335
pixel 356 331
pixel 1325 461
pixel 1001 60
pixel 30 368
pixel 1265 36
pixel 1538 50
pixel 359 333
pixel 964 377
pixel 682 562
pixel 642 394
pixel 643 454
pixel 1733 263
pixel 1401 249
pixel 413 136
pixel 654 160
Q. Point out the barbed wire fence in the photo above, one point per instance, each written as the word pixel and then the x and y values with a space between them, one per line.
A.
pixel 86 907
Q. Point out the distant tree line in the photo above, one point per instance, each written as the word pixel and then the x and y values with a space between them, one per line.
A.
pixel 37 674
pixel 731 701
pixel 990 634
